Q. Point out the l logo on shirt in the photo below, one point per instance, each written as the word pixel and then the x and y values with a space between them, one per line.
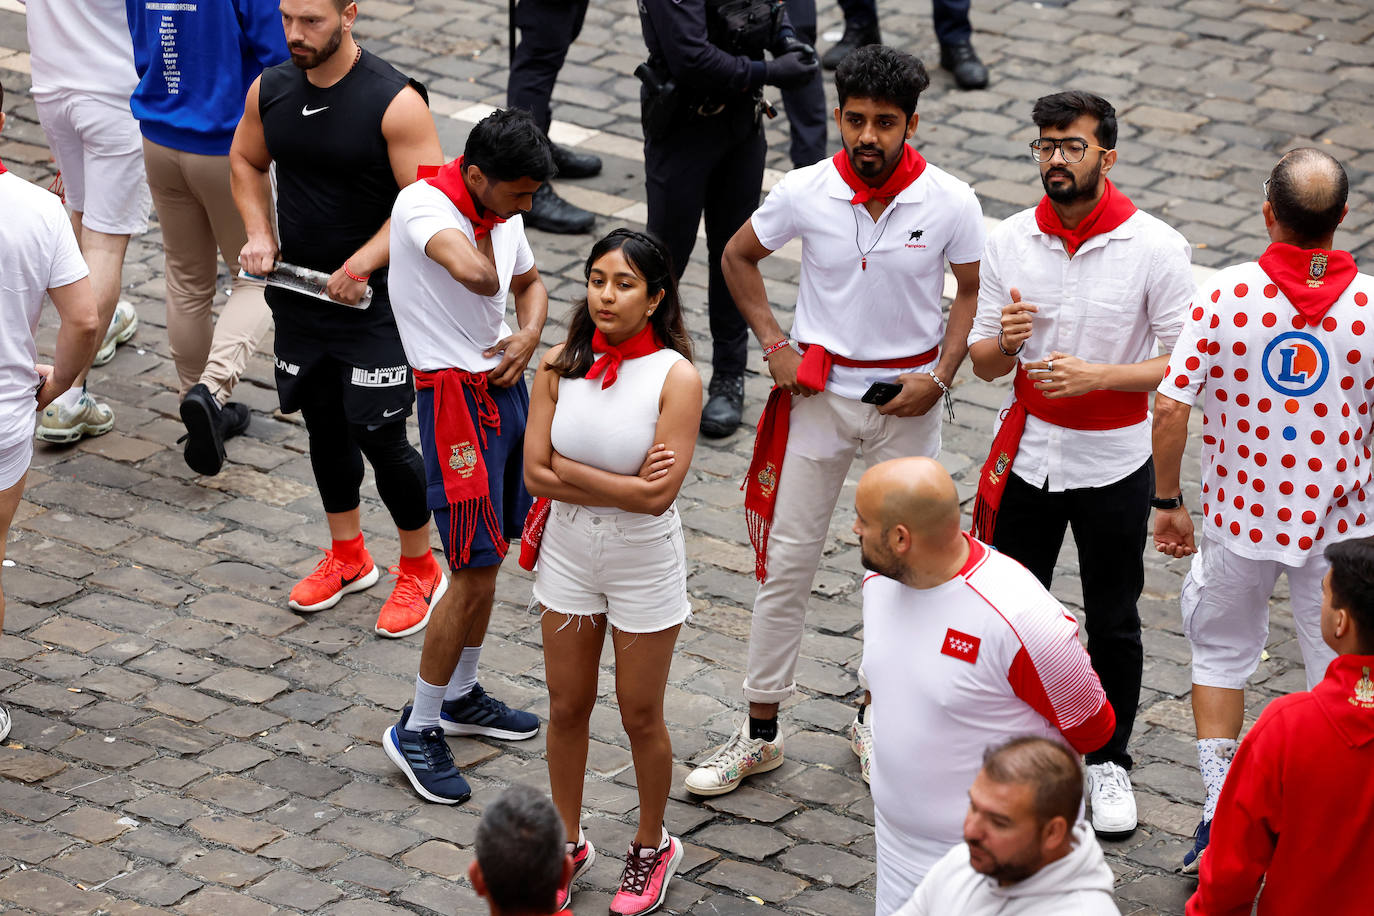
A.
pixel 961 646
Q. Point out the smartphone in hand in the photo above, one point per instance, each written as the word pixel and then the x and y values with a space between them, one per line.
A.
pixel 879 393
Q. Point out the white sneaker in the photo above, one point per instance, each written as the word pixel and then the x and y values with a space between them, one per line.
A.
pixel 1111 798
pixel 4 723
pixel 123 324
pixel 861 742
pixel 739 757
pixel 67 424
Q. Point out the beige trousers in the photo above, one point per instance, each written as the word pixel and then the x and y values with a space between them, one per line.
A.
pixel 826 432
pixel 195 208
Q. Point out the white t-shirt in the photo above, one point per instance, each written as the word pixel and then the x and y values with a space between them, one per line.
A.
pixel 954 669
pixel 1285 452
pixel 890 308
pixel 612 428
pixel 443 324
pixel 38 252
pixel 81 46
pixel 1119 294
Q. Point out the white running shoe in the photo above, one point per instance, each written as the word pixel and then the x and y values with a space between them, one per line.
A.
pixel 739 757
pixel 67 424
pixel 1111 798
pixel 4 723
pixel 123 324
pixel 861 742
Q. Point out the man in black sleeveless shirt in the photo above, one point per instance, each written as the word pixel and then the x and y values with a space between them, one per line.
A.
pixel 346 131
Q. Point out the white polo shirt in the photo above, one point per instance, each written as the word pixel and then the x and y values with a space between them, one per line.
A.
pixel 443 324
pixel 891 307
pixel 38 252
pixel 1286 464
pixel 1111 302
pixel 954 669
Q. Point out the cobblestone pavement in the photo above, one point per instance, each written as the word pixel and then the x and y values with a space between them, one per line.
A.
pixel 182 741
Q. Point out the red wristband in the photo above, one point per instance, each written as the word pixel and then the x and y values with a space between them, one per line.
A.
pixel 354 277
pixel 769 351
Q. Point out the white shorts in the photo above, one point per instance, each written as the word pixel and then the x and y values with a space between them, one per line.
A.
pixel 1225 603
pixel 626 565
pixel 99 151
pixel 15 457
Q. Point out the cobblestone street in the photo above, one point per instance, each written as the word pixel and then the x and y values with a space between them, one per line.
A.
pixel 184 742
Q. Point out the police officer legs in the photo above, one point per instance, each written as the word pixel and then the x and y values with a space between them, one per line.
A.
pixel 547 29
pixel 952 30
pixel 806 112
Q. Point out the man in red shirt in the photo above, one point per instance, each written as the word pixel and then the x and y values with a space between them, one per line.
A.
pixel 522 859
pixel 1299 782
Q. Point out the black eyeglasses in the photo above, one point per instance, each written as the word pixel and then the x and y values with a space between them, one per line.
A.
pixel 1073 149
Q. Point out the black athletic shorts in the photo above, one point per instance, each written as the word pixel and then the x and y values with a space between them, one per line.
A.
pixel 356 354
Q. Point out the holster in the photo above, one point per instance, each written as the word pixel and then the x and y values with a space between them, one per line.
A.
pixel 661 102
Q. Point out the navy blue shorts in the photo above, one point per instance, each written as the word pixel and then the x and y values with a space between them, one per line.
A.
pixel 504 457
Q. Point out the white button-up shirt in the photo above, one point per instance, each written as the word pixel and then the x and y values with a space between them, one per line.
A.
pixel 1120 294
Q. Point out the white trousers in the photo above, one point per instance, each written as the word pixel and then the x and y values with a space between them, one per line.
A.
pixel 826 432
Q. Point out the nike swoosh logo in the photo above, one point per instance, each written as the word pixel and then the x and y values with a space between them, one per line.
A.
pixel 345 582
pixel 392 413
pixel 307 111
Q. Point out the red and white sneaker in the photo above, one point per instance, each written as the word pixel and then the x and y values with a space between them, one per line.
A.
pixel 331 580
pixel 584 857
pixel 644 883
pixel 407 610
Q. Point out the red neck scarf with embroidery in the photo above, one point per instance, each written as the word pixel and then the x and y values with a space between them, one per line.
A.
pixel 449 179
pixel 908 170
pixel 1312 279
pixel 607 367
pixel 1111 211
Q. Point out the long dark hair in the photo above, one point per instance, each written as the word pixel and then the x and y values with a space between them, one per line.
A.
pixel 648 257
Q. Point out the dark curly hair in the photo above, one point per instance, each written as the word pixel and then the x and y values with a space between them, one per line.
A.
pixel 507 145
pixel 883 74
pixel 648 257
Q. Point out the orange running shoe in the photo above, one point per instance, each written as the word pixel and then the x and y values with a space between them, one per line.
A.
pixel 407 610
pixel 331 580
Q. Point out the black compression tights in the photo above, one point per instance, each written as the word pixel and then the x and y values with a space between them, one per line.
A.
pixel 337 448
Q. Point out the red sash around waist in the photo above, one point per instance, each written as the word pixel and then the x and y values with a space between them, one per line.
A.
pixel 1094 410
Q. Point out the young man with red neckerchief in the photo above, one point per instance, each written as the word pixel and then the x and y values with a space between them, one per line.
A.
pixel 878 226
pixel 458 247
pixel 1282 347
pixel 1076 293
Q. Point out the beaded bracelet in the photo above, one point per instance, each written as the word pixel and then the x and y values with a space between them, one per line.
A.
pixel 944 389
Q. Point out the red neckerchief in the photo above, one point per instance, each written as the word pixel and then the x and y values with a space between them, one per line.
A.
pixel 908 170
pixel 459 439
pixel 1111 211
pixel 641 344
pixel 1312 279
pixel 3 170
pixel 449 179
pixel 1095 410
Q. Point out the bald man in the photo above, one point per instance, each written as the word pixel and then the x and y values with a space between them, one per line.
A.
pixel 963 649
pixel 1282 346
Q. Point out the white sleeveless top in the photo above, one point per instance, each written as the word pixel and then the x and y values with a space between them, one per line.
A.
pixel 612 429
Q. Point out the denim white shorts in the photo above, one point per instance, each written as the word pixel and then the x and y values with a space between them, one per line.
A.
pixel 629 566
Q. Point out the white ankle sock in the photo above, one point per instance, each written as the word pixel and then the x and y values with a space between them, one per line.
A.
pixel 70 398
pixel 428 699
pixel 465 675
pixel 1214 760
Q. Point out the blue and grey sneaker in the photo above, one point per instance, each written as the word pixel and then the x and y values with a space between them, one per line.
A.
pixel 1192 859
pixel 479 713
pixel 427 762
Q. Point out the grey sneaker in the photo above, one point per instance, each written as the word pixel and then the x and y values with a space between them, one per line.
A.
pixel 67 424
pixel 123 324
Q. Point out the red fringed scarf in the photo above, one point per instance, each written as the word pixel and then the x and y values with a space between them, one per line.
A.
pixel 1094 410
pixel 641 344
pixel 464 470
pixel 449 179
pixel 908 170
pixel 1312 279
pixel 606 368
pixel 1111 211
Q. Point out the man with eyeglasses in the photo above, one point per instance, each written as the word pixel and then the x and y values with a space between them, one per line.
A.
pixel 1282 346
pixel 1076 295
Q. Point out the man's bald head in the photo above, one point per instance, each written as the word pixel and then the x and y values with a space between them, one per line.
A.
pixel 1307 192
pixel 915 492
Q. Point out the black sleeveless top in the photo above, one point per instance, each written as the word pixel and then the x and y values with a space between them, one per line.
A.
pixel 335 186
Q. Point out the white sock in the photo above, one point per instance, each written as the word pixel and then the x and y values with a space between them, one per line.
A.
pixel 70 398
pixel 1214 760
pixel 581 839
pixel 428 699
pixel 465 675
